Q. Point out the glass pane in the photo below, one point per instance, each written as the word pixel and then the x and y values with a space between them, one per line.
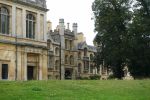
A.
pixel 27 29
pixel 3 24
pixel 30 29
pixel 33 29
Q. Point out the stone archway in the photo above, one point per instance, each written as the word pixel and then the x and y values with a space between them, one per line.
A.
pixel 68 74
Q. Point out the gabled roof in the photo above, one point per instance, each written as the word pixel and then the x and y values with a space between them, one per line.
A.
pixel 83 45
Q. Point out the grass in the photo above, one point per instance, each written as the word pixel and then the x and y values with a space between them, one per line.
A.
pixel 75 90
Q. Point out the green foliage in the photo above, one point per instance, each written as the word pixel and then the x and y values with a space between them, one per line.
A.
pixel 123 35
pixel 95 77
pixel 111 23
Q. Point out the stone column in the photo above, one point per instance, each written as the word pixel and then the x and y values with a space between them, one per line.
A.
pixel 38 35
pixel 13 20
pixel 24 22
pixel 40 66
pixel 89 66
pixel 100 71
pixel 25 66
pixel 45 27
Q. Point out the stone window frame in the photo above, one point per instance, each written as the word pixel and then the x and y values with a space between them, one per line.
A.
pixel 30 25
pixel 6 14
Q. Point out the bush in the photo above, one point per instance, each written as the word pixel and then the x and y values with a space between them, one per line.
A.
pixel 111 77
pixel 95 77
pixel 84 78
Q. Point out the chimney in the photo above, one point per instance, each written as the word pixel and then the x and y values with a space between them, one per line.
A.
pixel 75 28
pixel 61 22
pixel 61 26
pixel 68 26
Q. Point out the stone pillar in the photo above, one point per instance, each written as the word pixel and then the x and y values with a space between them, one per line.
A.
pixel 89 67
pixel 24 22
pixel 25 66
pixel 62 56
pixel 38 35
pixel 13 20
pixel 95 70
pixel 100 71
pixel 45 27
pixel 40 66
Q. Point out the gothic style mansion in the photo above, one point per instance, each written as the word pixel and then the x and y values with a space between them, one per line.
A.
pixel 30 50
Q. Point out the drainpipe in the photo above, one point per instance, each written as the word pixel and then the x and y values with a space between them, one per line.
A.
pixel 16 57
pixel 60 58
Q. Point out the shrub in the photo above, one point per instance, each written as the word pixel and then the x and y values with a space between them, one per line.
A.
pixel 95 77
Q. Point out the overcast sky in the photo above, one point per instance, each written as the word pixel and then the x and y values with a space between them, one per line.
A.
pixel 78 11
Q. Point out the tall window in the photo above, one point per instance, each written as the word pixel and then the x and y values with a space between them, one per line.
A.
pixel 71 60
pixel 66 44
pixel 79 68
pixel 70 44
pixel 66 59
pixel 30 26
pixel 57 51
pixel 85 51
pixel 57 65
pixel 4 20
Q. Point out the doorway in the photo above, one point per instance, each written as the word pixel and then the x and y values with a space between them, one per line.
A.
pixel 30 72
pixel 68 74
pixel 4 71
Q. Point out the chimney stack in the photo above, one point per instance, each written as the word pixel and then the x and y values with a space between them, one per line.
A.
pixel 75 28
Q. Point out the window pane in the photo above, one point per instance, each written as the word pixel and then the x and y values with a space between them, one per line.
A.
pixel 33 29
pixel 30 29
pixel 27 29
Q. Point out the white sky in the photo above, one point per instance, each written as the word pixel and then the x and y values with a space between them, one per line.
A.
pixel 78 11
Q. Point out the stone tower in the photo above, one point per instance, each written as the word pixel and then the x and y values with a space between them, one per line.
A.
pixel 62 46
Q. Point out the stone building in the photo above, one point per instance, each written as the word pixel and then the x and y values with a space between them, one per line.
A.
pixel 69 54
pixel 28 52
pixel 23 40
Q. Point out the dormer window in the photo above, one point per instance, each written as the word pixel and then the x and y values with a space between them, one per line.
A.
pixel 4 20
pixel 30 26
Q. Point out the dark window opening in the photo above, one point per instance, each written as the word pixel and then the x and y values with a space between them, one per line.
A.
pixel 4 71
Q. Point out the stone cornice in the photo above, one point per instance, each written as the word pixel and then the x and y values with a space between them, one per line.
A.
pixel 30 4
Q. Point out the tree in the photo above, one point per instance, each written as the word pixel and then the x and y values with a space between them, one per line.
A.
pixel 140 40
pixel 111 24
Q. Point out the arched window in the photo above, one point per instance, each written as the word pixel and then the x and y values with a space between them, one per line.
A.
pixel 66 59
pixel 79 68
pixel 30 26
pixel 79 55
pixel 66 44
pixel 71 44
pixel 85 51
pixel 4 20
pixel 71 60
pixel 57 64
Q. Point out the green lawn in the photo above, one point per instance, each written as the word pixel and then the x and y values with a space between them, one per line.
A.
pixel 75 90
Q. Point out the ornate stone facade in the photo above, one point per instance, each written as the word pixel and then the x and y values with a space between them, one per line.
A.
pixel 75 57
pixel 23 40
pixel 27 52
